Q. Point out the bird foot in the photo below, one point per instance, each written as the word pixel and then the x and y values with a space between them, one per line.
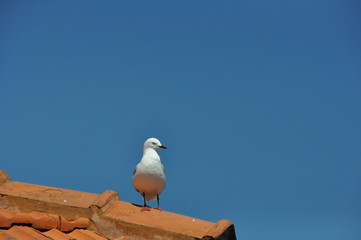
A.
pixel 145 208
pixel 157 209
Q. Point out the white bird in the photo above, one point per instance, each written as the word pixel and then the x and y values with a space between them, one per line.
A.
pixel 149 176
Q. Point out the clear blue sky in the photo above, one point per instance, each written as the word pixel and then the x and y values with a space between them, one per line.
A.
pixel 259 103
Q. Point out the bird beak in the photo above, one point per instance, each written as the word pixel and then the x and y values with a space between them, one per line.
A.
pixel 162 146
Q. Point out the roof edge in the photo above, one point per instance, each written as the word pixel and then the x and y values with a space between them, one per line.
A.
pixel 223 229
pixel 4 177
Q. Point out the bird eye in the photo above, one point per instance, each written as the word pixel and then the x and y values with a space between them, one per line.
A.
pixel 153 143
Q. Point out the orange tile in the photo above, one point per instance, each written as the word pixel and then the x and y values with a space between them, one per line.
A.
pixel 28 233
pixel 4 235
pixel 40 220
pixel 49 194
pixel 85 234
pixel 25 233
pixel 56 234
pixel 4 177
pixel 163 220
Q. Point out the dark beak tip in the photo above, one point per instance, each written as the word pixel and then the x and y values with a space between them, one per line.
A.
pixel 163 147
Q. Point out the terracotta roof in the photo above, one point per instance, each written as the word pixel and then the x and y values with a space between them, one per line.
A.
pixel 29 211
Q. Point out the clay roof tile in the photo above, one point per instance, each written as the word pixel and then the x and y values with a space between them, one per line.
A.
pixel 28 233
pixel 4 177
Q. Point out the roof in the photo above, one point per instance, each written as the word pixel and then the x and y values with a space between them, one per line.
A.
pixel 29 211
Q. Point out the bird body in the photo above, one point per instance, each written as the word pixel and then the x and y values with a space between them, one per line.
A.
pixel 149 176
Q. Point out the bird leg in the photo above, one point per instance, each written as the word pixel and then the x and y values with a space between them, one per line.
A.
pixel 145 207
pixel 158 202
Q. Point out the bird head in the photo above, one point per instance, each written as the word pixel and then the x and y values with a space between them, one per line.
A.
pixel 154 144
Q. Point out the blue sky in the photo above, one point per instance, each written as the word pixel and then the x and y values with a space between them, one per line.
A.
pixel 258 101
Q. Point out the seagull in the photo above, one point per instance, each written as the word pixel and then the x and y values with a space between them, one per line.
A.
pixel 148 175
